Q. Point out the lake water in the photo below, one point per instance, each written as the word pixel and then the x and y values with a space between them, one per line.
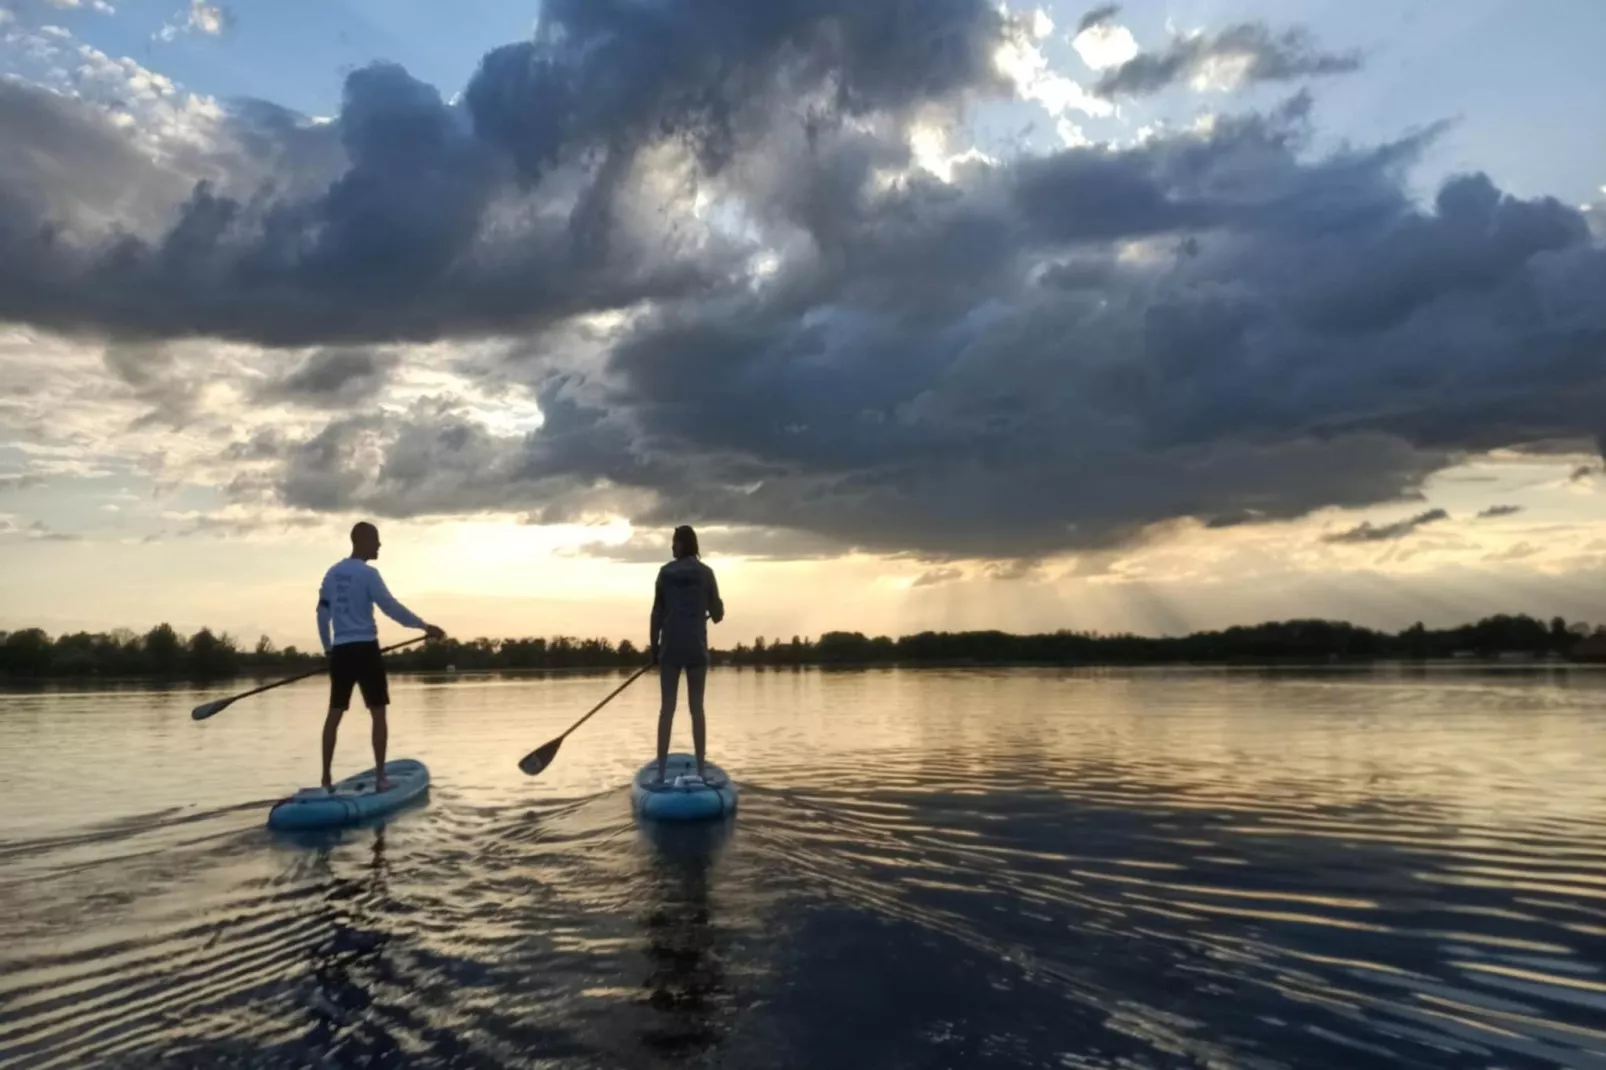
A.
pixel 1025 868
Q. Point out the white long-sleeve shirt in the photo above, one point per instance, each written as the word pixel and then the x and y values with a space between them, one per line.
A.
pixel 346 600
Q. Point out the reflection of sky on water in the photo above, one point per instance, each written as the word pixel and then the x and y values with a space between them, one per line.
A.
pixel 980 869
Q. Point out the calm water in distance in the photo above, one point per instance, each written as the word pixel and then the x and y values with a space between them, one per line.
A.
pixel 1015 868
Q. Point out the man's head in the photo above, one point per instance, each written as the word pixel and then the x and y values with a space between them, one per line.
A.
pixel 364 541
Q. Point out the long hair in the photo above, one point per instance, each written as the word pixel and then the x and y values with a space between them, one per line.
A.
pixel 686 539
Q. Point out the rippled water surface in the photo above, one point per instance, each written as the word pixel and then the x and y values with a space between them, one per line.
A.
pixel 930 869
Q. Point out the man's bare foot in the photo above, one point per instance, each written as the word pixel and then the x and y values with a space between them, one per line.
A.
pixel 328 785
pixel 381 784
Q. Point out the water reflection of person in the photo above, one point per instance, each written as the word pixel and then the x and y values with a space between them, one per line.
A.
pixel 686 983
pixel 347 964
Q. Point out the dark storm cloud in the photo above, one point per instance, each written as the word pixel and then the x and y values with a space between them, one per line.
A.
pixel 1367 532
pixel 150 372
pixel 1052 352
pixel 61 159
pixel 1008 571
pixel 1235 519
pixel 1260 54
pixel 333 378
pixel 760 544
pixel 513 210
pixel 1097 17
pixel 1499 510
pixel 1297 334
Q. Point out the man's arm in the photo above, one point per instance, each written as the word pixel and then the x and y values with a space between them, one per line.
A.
pixel 716 607
pixel 387 602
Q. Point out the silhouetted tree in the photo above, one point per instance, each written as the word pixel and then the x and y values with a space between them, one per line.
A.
pixel 27 653
pixel 212 656
pixel 163 650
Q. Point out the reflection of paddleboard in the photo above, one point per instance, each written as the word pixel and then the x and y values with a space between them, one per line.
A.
pixel 682 796
pixel 353 798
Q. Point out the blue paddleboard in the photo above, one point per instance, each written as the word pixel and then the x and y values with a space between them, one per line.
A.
pixel 682 796
pixel 353 799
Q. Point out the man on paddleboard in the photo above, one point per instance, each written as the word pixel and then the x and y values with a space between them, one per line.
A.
pixel 685 598
pixel 346 600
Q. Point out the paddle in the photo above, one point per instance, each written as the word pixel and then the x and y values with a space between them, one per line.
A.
pixel 541 757
pixel 208 709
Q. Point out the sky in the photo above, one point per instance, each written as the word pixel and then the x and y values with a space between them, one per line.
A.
pixel 1144 317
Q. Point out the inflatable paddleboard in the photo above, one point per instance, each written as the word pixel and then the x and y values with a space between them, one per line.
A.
pixel 353 799
pixel 683 796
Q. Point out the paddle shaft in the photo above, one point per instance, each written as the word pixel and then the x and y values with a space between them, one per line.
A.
pixel 605 701
pixel 314 672
pixel 541 757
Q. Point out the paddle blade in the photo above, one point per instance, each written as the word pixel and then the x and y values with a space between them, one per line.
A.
pixel 205 710
pixel 538 759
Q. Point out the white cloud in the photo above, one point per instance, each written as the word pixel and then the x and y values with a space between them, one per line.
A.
pixel 1596 215
pixel 1021 61
pixel 1105 45
pixel 1221 74
pixel 209 19
pixel 930 144
pixel 1071 135
pixel 162 119
pixel 189 415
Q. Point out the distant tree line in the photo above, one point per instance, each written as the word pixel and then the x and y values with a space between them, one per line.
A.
pixel 1277 641
pixel 164 653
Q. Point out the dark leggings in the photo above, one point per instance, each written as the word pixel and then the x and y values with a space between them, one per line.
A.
pixel 669 682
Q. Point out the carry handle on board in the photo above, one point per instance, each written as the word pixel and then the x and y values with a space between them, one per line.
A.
pixel 208 709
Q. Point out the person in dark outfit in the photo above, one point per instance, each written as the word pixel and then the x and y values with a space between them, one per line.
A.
pixel 685 599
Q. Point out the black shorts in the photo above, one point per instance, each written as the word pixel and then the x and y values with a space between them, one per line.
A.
pixel 359 664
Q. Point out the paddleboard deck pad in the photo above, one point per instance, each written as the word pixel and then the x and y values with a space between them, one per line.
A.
pixel 682 795
pixel 353 799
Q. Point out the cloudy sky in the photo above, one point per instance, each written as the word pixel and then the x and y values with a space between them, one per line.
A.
pixel 1152 316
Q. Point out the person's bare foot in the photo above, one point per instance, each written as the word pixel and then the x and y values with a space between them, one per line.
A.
pixel 328 785
pixel 381 785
